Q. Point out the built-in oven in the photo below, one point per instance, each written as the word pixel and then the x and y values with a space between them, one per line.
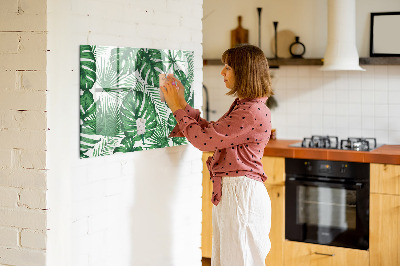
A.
pixel 327 202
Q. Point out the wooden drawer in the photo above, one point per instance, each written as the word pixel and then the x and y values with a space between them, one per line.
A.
pixel 274 168
pixel 385 178
pixel 304 254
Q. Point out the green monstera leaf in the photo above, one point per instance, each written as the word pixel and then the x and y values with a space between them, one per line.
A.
pixel 123 60
pixel 178 60
pixel 88 113
pixel 135 105
pixel 87 67
pixel 160 137
pixel 128 145
pixel 149 65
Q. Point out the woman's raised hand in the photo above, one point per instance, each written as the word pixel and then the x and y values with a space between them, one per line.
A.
pixel 181 91
pixel 174 97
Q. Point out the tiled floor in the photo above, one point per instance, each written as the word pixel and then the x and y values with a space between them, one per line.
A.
pixel 206 261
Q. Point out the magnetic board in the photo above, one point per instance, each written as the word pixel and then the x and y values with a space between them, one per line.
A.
pixel 120 105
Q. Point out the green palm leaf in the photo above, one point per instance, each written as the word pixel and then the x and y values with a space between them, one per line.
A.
pixel 149 65
pixel 127 145
pixel 123 60
pixel 159 139
pixel 87 67
pixel 87 144
pixel 189 92
pixel 105 146
pixel 135 105
pixel 108 120
pixel 108 77
pixel 88 113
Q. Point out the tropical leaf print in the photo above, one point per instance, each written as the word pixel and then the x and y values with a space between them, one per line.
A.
pixel 127 145
pixel 105 146
pixel 108 78
pixel 171 123
pixel 149 65
pixel 159 139
pixel 87 67
pixel 88 113
pixel 108 120
pixel 120 106
pixel 123 58
pixel 87 145
pixel 136 105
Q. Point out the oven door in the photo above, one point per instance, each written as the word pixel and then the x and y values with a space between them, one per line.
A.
pixel 327 213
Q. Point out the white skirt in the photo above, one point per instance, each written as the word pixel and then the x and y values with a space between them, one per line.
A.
pixel 241 223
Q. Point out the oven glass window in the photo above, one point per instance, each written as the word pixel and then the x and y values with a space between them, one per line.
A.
pixel 326 207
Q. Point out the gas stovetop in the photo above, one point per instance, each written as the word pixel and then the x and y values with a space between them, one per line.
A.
pixel 332 142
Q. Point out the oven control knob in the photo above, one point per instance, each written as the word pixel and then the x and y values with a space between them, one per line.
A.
pixel 308 166
pixel 343 168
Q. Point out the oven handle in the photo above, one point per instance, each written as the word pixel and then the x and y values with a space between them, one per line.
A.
pixel 357 185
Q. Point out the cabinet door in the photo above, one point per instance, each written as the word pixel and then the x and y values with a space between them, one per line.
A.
pixel 385 178
pixel 206 232
pixel 274 168
pixel 277 233
pixel 384 230
pixel 304 254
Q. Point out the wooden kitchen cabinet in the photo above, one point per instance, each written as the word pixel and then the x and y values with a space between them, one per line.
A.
pixel 206 225
pixel 277 233
pixel 384 236
pixel 305 254
pixel 385 215
pixel 274 168
pixel 385 178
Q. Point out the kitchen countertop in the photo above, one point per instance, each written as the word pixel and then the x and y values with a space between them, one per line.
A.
pixel 389 154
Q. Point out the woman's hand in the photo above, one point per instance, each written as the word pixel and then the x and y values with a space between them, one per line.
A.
pixel 181 91
pixel 172 94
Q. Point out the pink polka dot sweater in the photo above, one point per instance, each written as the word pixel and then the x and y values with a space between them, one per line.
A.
pixel 238 139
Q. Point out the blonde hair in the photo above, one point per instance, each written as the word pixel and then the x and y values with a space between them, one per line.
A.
pixel 250 66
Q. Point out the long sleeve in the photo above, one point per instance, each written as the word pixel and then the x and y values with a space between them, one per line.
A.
pixel 231 130
pixel 238 140
pixel 193 113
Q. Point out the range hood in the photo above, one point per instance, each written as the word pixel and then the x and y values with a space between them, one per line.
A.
pixel 341 51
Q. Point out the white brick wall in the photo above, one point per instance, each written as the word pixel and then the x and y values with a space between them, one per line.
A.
pixel 22 132
pixel 140 208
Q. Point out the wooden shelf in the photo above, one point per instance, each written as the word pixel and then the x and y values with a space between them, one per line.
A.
pixel 274 63
pixel 380 61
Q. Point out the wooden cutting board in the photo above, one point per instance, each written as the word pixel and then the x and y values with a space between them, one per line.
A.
pixel 239 35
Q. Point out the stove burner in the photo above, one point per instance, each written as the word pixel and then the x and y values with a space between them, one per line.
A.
pixel 328 142
pixel 332 142
pixel 358 144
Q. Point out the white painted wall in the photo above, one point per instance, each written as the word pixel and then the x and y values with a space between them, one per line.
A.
pixel 23 133
pixel 306 19
pixel 311 102
pixel 140 208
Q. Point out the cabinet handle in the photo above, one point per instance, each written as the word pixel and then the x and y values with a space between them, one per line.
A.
pixel 324 254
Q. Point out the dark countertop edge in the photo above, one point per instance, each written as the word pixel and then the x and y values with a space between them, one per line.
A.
pixel 386 154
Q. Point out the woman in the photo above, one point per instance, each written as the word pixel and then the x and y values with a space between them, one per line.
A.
pixel 242 208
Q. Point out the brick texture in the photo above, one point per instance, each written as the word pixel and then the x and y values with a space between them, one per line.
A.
pixel 23 126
